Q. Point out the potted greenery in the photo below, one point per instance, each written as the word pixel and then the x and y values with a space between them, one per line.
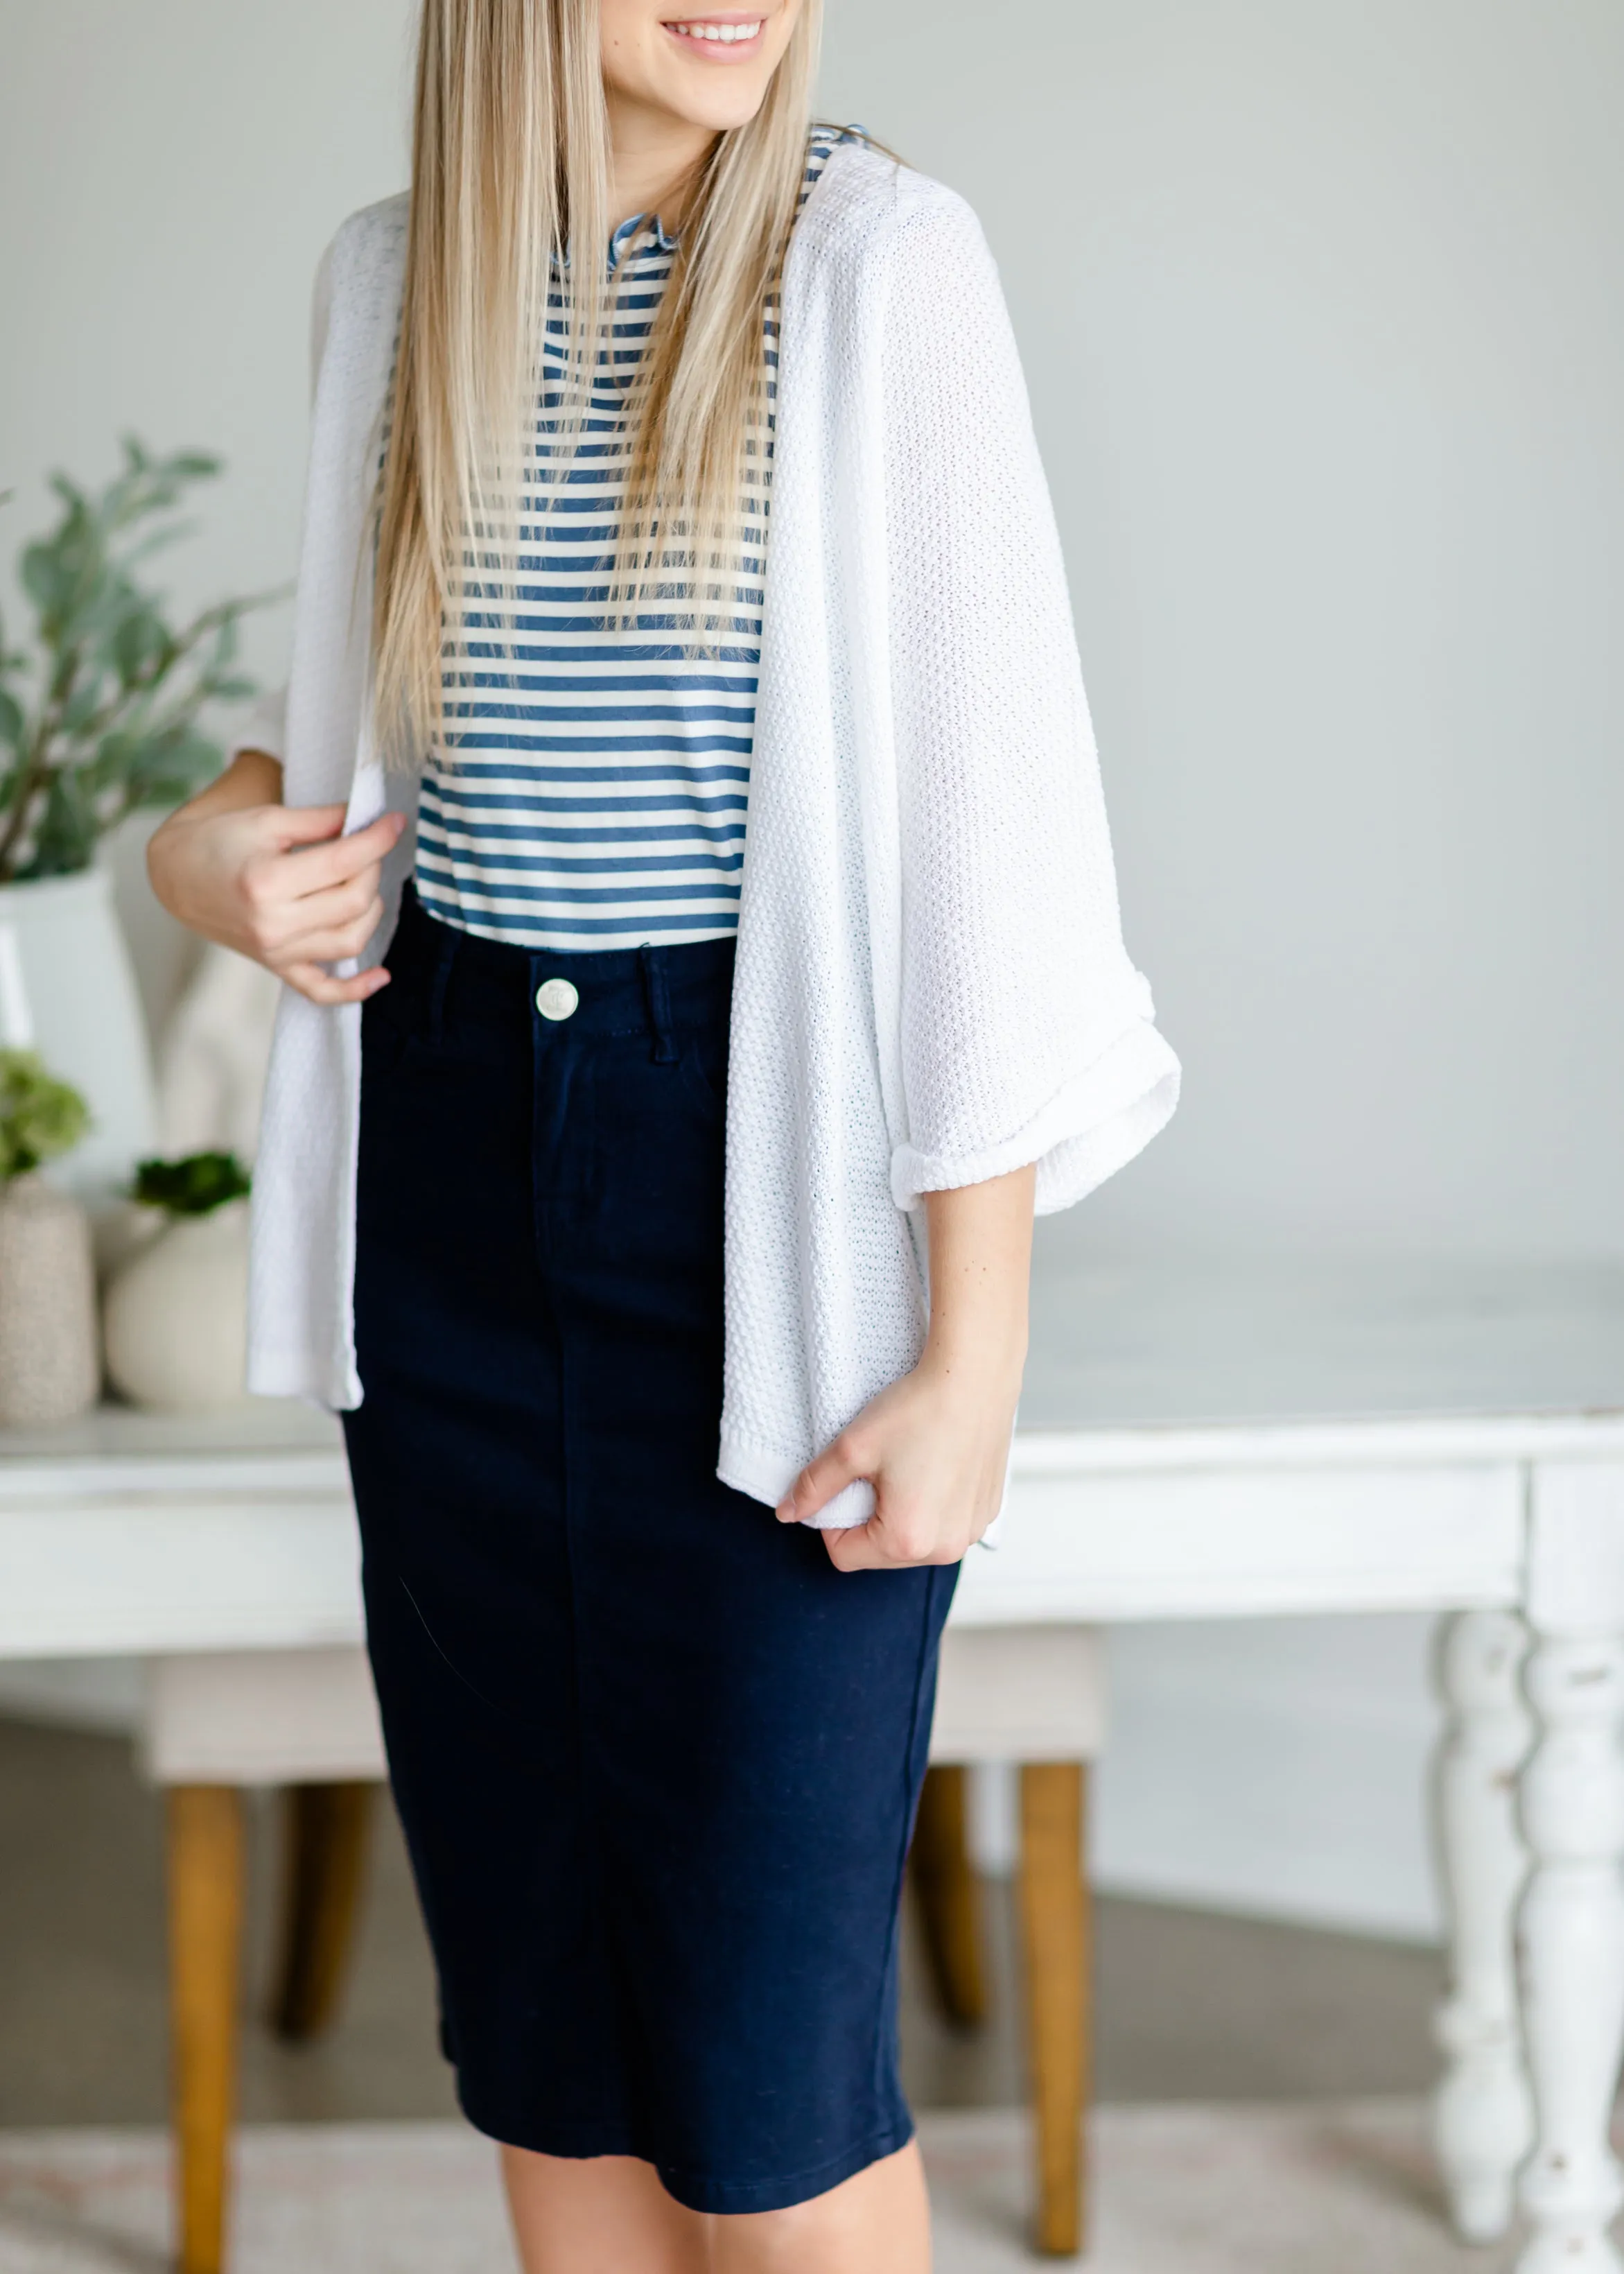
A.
pixel 175 1324
pixel 49 1368
pixel 103 712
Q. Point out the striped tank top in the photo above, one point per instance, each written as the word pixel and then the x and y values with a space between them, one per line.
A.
pixel 599 789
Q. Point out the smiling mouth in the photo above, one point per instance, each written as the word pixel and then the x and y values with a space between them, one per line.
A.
pixel 716 34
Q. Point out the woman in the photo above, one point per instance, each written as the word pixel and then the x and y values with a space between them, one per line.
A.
pixel 604 1166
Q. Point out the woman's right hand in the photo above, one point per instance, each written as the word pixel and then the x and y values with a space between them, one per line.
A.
pixel 280 883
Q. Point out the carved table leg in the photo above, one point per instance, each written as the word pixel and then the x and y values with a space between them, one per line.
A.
pixel 1483 2115
pixel 1571 1935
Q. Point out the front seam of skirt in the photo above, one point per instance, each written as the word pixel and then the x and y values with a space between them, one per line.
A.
pixel 657 1760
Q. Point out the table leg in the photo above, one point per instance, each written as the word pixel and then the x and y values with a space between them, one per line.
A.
pixel 1571 1934
pixel 1055 1923
pixel 1483 2116
pixel 206 1916
pixel 949 1895
pixel 328 1831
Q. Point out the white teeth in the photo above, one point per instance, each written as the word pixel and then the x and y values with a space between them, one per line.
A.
pixel 730 33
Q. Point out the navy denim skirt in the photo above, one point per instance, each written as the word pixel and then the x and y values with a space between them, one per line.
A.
pixel 656 1759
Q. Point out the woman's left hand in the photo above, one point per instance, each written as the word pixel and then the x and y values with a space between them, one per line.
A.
pixel 935 1445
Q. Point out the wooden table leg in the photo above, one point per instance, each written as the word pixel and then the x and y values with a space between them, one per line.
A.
pixel 950 1898
pixel 1054 1925
pixel 205 1919
pixel 327 1834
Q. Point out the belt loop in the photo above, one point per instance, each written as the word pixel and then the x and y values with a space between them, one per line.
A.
pixel 657 995
pixel 438 984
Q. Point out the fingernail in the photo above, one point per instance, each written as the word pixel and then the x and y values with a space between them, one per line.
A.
pixel 785 1511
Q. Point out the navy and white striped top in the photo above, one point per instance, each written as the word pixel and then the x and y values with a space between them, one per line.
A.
pixel 599 788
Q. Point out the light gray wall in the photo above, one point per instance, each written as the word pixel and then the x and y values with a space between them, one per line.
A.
pixel 1322 309
pixel 1321 312
pixel 169 176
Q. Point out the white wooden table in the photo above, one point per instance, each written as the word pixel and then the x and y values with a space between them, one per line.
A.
pixel 1193 1442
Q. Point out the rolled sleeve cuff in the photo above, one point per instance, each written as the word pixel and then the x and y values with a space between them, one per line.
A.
pixel 1091 1128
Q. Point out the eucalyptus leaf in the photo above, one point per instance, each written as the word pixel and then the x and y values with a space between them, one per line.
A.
pixel 66 838
pixel 45 579
pixel 189 758
pixel 80 708
pixel 138 643
pixel 106 715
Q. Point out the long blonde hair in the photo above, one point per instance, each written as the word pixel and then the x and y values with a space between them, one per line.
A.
pixel 510 169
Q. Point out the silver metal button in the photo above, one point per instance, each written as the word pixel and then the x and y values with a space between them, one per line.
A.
pixel 558 998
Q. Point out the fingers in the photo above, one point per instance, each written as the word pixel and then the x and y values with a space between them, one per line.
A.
pixel 860 1548
pixel 319 986
pixel 312 867
pixel 280 927
pixel 313 898
pixel 304 824
pixel 340 941
pixel 842 1465
pixel 887 1544
pixel 350 923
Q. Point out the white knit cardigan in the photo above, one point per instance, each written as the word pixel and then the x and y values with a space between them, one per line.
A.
pixel 931 986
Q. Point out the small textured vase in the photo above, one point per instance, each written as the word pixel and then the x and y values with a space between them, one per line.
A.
pixel 50 1366
pixel 177 1318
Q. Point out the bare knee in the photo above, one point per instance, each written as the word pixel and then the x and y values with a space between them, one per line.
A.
pixel 601 2215
pixel 877 2222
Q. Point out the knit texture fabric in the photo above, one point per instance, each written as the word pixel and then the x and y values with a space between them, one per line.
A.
pixel 931 984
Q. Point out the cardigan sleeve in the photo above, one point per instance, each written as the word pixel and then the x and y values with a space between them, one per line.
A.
pixel 1026 1033
pixel 264 725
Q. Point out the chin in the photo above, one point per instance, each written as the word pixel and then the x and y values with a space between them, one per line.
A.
pixel 720 103
pixel 722 117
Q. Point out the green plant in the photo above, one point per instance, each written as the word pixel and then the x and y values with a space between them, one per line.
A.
pixel 103 716
pixel 201 1182
pixel 39 1117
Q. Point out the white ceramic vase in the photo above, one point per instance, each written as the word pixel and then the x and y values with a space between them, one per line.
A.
pixel 175 1323
pixel 67 988
pixel 49 1364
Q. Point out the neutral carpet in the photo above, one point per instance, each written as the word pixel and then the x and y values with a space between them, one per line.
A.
pixel 1344 2188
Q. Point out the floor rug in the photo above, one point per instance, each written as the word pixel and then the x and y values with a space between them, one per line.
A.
pixel 1330 2189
